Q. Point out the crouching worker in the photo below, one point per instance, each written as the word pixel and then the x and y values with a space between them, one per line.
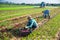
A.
pixel 31 24
pixel 46 14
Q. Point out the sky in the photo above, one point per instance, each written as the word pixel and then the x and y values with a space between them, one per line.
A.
pixel 33 1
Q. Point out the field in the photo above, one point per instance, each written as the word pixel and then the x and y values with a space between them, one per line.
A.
pixel 47 31
pixel 10 12
pixel 17 14
pixel 6 13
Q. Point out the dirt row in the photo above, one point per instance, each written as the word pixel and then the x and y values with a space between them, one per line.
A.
pixel 22 17
pixel 46 20
pixel 22 20
pixel 40 24
pixel 10 12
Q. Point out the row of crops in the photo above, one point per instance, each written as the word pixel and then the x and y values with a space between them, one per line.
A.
pixel 47 31
pixel 22 20
pixel 6 14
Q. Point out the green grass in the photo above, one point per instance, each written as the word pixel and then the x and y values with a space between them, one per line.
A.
pixel 48 30
pixel 21 11
pixel 15 7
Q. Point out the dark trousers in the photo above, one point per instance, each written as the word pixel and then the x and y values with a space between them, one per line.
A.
pixel 46 15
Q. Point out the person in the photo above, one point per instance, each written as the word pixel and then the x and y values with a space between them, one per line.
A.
pixel 31 24
pixel 42 4
pixel 46 14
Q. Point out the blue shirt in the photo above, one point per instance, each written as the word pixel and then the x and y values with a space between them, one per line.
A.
pixel 32 23
pixel 46 12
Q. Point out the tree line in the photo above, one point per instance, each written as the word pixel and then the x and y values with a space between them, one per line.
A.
pixel 38 4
